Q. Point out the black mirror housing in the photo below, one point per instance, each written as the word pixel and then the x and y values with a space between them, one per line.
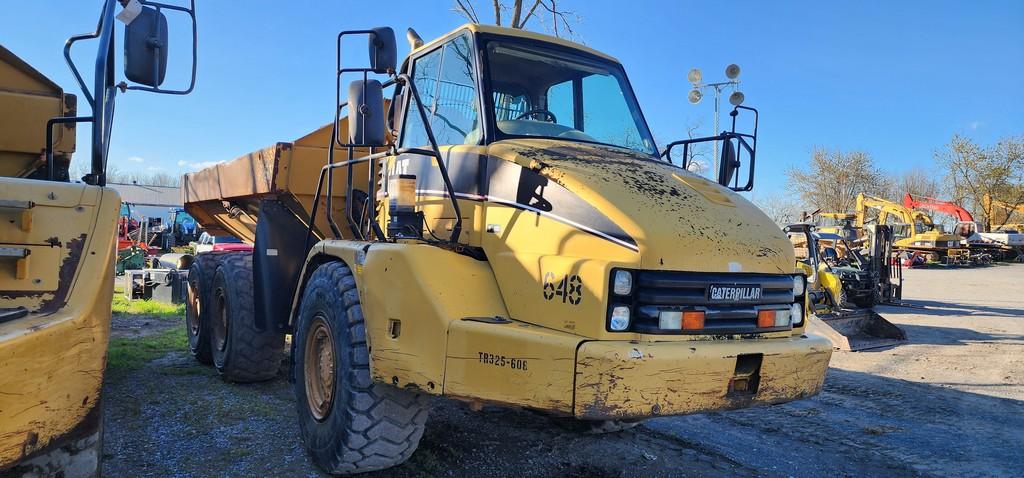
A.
pixel 727 164
pixel 366 119
pixel 383 50
pixel 145 48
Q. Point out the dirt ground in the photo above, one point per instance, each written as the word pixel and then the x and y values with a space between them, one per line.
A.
pixel 948 403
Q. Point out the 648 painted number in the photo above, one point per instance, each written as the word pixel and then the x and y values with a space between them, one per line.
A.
pixel 569 289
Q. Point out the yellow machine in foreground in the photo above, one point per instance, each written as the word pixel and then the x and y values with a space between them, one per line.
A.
pixel 913 230
pixel 509 233
pixel 57 242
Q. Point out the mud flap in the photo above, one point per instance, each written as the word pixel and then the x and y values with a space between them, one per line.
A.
pixel 858 329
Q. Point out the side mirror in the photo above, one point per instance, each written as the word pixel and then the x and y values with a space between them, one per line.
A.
pixel 383 51
pixel 728 164
pixel 366 121
pixel 145 48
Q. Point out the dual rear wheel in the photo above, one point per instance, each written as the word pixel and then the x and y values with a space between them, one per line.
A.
pixel 219 319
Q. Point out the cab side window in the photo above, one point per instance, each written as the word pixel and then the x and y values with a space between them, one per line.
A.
pixel 446 81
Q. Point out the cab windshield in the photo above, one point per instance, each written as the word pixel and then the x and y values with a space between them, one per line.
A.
pixel 549 93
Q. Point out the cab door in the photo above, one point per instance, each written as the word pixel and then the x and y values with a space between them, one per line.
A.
pixel 446 79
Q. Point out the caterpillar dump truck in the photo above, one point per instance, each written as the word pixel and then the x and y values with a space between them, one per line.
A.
pixel 57 243
pixel 504 231
pixel 914 231
pixel 844 286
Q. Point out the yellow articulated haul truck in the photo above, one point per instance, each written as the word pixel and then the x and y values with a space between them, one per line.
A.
pixel 503 230
pixel 57 242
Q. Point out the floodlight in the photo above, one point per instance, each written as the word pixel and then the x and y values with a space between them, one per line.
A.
pixel 695 96
pixel 694 76
pixel 736 98
pixel 732 71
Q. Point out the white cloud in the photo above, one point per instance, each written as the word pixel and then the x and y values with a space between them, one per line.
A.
pixel 976 124
pixel 154 168
pixel 136 159
pixel 197 165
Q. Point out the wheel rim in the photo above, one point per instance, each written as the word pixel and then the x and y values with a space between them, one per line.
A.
pixel 318 368
pixel 220 324
pixel 192 311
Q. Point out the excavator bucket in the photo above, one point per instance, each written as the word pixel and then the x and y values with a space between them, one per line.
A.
pixel 859 329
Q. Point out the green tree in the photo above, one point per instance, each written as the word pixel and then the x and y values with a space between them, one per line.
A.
pixel 973 171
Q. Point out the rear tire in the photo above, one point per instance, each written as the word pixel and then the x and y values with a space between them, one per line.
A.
pixel 197 305
pixel 241 352
pixel 349 423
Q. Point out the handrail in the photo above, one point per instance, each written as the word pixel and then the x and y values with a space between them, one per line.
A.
pixel 335 142
pixel 741 140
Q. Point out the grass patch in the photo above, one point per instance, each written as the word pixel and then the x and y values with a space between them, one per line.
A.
pixel 123 306
pixel 132 353
pixel 189 249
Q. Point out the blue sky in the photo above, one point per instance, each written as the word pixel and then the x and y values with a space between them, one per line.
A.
pixel 895 79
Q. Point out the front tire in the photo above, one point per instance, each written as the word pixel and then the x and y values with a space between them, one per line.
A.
pixel 349 423
pixel 241 352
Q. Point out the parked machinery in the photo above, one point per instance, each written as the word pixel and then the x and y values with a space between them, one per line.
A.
pixel 845 284
pixel 493 239
pixel 1008 224
pixel 997 245
pixel 57 245
pixel 914 233
pixel 179 230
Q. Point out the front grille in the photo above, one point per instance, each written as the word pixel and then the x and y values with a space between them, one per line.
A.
pixel 681 291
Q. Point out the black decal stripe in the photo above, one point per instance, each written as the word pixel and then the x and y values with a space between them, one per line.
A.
pixel 512 185
pixel 505 202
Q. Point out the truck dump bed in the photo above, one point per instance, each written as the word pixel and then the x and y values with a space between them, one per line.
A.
pixel 225 198
pixel 27 101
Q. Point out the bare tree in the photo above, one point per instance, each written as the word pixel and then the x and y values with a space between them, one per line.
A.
pixel 973 171
pixel 832 179
pixel 548 13
pixel 780 208
pixel 146 178
pixel 919 182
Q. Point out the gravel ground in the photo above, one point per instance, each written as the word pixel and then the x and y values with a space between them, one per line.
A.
pixel 948 403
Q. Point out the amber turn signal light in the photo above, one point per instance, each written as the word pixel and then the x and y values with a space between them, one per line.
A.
pixel 693 320
pixel 765 319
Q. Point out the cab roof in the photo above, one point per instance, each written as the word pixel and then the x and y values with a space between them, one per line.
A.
pixel 513 33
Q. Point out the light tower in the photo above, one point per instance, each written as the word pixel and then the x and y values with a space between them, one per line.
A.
pixel 732 72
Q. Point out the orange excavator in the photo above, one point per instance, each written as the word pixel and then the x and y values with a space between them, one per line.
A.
pixel 996 244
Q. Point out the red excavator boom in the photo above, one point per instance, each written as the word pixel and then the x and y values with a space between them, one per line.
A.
pixel 936 205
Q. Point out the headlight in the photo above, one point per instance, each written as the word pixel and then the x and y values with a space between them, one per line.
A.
pixel 796 314
pixel 622 283
pixel 619 320
pixel 798 285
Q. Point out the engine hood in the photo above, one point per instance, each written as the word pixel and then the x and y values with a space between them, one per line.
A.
pixel 678 220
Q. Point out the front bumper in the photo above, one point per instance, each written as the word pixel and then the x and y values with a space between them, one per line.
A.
pixel 621 379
